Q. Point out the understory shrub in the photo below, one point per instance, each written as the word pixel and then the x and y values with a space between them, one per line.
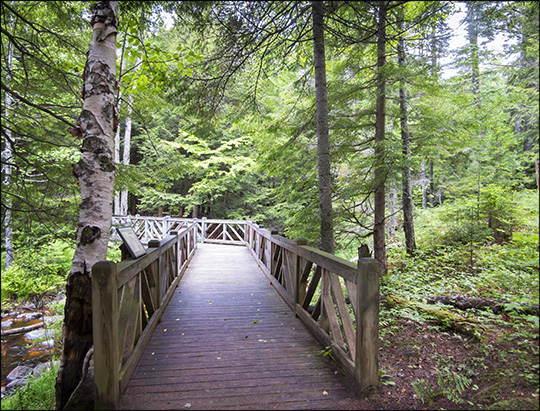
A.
pixel 37 271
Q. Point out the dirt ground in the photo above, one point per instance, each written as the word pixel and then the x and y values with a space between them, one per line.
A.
pixel 499 369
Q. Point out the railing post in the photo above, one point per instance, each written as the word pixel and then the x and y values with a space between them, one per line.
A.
pixel 203 234
pixel 166 225
pixel 366 365
pixel 105 335
pixel 146 231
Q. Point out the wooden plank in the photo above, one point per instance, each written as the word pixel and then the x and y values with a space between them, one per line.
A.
pixel 367 324
pixel 283 242
pixel 128 317
pixel 351 292
pixel 127 269
pixel 326 341
pixel 289 272
pixel 328 306
pixel 312 288
pixel 348 328
pixel 330 262
pixel 105 335
pixel 129 367
pixel 149 291
pixel 227 339
pixel 223 242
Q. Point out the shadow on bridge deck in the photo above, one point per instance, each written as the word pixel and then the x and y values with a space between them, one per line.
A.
pixel 228 341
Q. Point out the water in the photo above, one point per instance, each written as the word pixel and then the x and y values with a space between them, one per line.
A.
pixel 21 349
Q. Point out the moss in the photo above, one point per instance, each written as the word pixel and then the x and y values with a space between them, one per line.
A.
pixel 446 318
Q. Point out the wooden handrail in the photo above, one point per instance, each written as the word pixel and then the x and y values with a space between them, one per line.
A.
pixel 128 299
pixel 299 272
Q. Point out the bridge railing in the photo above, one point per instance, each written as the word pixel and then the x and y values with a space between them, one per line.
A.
pixel 149 228
pixel 312 282
pixel 128 300
pixel 208 230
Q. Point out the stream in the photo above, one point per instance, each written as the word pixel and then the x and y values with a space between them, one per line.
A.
pixel 23 348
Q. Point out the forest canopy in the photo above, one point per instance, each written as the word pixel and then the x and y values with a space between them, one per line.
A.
pixel 216 107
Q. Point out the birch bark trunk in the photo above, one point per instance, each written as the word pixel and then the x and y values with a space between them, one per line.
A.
pixel 7 158
pixel 95 172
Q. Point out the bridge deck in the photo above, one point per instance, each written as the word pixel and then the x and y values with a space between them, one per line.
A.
pixel 228 341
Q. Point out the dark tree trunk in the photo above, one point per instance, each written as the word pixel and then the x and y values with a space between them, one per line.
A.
pixel 323 144
pixel 431 185
pixel 423 183
pixel 379 243
pixel 95 171
pixel 408 221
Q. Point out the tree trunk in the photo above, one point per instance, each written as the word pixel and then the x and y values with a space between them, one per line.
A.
pixel 392 225
pixel 116 201
pixel 433 40
pixel 431 185
pixel 323 144
pixel 537 176
pixel 7 158
pixel 126 156
pixel 379 244
pixel 95 172
pixel 408 220
pixel 423 184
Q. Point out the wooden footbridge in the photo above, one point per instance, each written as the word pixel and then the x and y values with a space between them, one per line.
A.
pixel 199 323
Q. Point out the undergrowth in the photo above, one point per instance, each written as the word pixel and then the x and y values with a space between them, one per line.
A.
pixel 37 394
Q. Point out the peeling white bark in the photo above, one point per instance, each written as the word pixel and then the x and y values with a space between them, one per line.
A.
pixel 95 172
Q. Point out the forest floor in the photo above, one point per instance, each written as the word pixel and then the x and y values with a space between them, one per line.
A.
pixel 455 372
pixel 426 367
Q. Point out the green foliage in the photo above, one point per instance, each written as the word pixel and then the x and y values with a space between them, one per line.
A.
pixel 452 384
pixel 36 272
pixel 38 394
pixel 508 272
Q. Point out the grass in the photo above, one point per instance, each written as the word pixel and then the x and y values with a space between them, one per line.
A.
pixel 37 394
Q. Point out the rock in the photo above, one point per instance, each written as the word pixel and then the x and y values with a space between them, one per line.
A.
pixel 20 372
pixel 34 335
pixel 7 323
pixel 41 368
pixel 48 343
pixel 16 384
